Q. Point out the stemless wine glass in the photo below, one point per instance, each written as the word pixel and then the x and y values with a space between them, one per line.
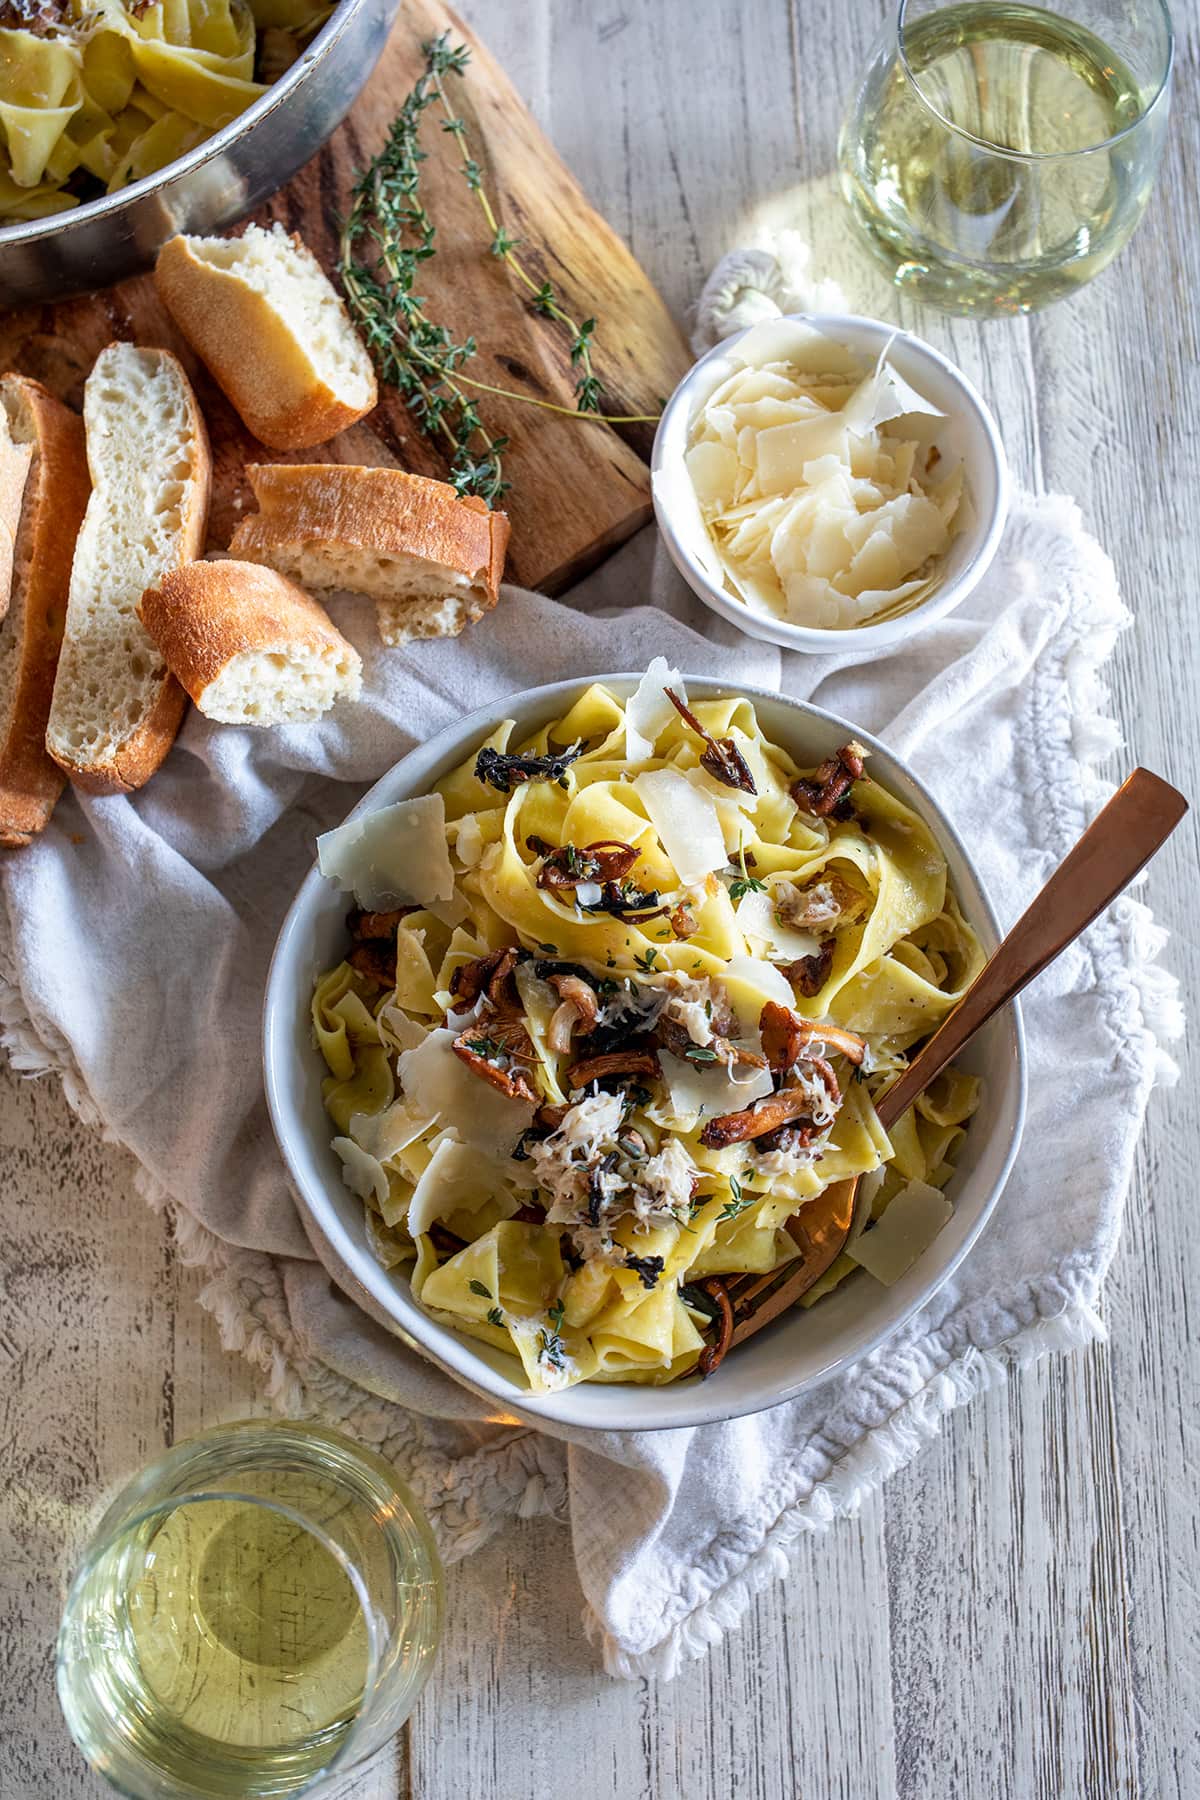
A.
pixel 258 1610
pixel 999 155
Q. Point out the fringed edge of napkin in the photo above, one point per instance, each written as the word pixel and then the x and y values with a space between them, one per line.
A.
pixel 856 1475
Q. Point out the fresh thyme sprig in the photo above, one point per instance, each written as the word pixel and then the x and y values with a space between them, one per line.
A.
pixel 386 236
pixel 745 883
pixel 733 1208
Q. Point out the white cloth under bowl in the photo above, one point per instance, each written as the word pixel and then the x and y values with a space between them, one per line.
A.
pixel 134 940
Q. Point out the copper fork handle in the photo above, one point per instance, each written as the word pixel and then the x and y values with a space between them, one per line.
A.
pixel 1121 839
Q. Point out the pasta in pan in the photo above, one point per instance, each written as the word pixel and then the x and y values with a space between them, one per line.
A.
pixel 95 94
pixel 619 1001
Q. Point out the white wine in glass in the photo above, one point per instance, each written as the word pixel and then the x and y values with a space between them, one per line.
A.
pixel 999 155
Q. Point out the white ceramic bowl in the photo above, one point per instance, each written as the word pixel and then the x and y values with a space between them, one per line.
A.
pixel 801 1349
pixel 968 434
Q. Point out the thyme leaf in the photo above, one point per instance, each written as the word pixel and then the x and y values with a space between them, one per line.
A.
pixel 745 883
pixel 732 1209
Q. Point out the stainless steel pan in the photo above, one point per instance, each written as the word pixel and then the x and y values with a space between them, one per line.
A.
pixel 215 184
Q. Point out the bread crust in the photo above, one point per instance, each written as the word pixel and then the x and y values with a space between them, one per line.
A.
pixel 205 614
pixel 144 750
pixel 260 366
pixel 386 511
pixel 56 497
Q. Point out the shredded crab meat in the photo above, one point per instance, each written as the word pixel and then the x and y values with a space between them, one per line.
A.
pixel 595 1170
pixel 694 1004
pixel 826 902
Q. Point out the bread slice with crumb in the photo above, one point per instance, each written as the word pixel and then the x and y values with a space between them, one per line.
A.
pixel 56 492
pixel 249 646
pixel 116 705
pixel 15 458
pixel 263 316
pixel 431 561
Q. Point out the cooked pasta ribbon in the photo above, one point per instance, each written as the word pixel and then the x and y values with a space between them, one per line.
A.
pixel 108 92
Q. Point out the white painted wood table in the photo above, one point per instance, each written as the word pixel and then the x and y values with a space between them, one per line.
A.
pixel 1017 1614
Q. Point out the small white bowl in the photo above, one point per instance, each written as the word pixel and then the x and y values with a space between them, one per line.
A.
pixel 968 434
pixel 799 1350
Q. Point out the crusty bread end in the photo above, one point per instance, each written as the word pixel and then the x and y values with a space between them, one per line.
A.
pixel 262 315
pixel 431 560
pixel 249 646
pixel 56 494
pixel 116 706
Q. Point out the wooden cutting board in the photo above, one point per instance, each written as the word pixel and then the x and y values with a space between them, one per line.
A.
pixel 578 488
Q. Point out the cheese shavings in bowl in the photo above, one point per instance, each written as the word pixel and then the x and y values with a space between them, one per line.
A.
pixel 825 496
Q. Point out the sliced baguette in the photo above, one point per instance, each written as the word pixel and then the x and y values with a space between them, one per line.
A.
pixel 431 561
pixel 262 315
pixel 250 647
pixel 56 494
pixel 116 706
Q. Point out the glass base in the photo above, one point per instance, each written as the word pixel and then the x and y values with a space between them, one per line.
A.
pixel 966 289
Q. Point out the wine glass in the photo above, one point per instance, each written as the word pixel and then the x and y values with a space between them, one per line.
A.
pixel 258 1610
pixel 999 155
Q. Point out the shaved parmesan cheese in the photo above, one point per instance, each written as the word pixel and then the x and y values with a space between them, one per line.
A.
pixel 686 821
pixel 391 857
pixel 398 1029
pixel 699 1091
pixel 437 1085
pixel 648 711
pixel 893 397
pixel 797 345
pixel 713 469
pixel 451 912
pixel 469 842
pixel 362 1173
pixel 783 451
pixel 750 982
pixel 811 494
pixel 913 1219
pixel 385 1133
pixel 755 914
pixel 456 1179
pixel 589 893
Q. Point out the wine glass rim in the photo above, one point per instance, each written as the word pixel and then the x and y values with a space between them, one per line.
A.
pixel 104 1540
pixel 1039 156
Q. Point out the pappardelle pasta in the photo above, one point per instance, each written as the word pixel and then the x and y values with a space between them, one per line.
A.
pixel 95 94
pixel 619 1002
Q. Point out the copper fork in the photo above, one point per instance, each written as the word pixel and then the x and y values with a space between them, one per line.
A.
pixel 1119 842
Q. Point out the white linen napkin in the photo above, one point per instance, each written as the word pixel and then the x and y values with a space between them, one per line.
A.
pixel 134 940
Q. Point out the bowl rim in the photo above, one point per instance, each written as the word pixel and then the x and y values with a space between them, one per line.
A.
pixel 570 1407
pixel 827 640
pixel 32 231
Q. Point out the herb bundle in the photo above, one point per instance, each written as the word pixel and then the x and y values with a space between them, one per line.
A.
pixel 386 238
